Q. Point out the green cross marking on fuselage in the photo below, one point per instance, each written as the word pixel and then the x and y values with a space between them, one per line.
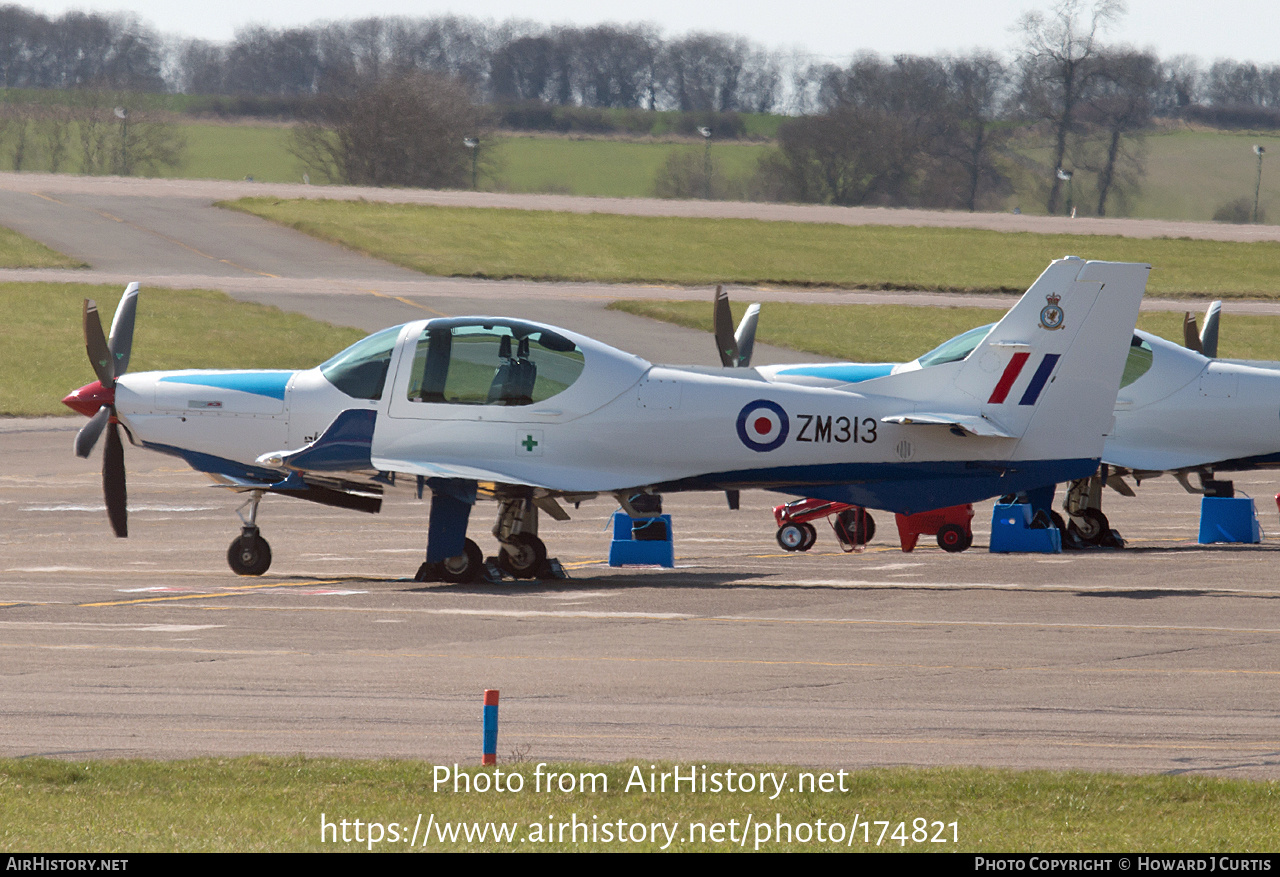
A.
pixel 529 443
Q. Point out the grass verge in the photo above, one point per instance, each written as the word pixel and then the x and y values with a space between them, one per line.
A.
pixel 262 804
pixel 896 333
pixel 19 251
pixel 543 245
pixel 46 358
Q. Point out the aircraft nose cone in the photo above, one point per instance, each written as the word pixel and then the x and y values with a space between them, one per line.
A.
pixel 89 398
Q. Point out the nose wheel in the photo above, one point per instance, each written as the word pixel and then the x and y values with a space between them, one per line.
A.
pixel 249 554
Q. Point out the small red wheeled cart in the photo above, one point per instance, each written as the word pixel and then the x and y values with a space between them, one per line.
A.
pixel 951 525
pixel 852 525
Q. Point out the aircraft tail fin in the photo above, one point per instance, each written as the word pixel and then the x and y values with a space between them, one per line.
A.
pixel 1048 373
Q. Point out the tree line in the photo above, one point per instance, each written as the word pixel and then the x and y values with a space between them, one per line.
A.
pixel 604 66
pixel 910 130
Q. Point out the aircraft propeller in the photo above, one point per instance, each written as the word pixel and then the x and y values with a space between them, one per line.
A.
pixel 735 347
pixel 109 356
pixel 1204 341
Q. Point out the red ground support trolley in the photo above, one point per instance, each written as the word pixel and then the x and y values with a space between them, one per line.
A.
pixel 853 526
pixel 851 523
pixel 951 525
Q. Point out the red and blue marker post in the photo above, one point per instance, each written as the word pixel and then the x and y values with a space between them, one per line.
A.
pixel 490 726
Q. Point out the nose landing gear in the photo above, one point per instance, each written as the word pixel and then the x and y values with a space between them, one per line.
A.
pixel 249 554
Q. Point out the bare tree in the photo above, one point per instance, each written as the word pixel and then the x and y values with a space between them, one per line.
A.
pixel 977 88
pixel 402 130
pixel 1057 66
pixel 1119 109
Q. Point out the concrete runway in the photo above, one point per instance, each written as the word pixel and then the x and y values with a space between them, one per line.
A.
pixel 1158 658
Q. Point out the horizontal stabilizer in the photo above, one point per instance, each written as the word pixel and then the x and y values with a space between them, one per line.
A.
pixel 969 423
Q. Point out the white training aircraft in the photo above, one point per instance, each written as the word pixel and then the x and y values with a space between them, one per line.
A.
pixel 530 414
pixel 1180 411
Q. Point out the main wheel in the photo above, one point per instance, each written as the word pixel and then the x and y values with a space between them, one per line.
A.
pixel 810 536
pixel 953 538
pixel 465 567
pixel 522 556
pixel 1092 528
pixel 859 526
pixel 792 537
pixel 249 556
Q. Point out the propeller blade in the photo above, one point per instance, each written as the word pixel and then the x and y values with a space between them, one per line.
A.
pixel 1209 335
pixel 746 335
pixel 1190 335
pixel 96 344
pixel 726 344
pixel 87 437
pixel 121 339
pixel 113 482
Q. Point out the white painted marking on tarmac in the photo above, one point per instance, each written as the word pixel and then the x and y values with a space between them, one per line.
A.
pixel 89 625
pixel 538 613
pixel 144 507
pixel 582 595
pixel 158 589
pixel 51 569
pixel 890 566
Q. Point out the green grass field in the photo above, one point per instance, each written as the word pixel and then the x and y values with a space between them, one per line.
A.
pixel 464 242
pixel 895 333
pixel 234 152
pixel 51 361
pixel 609 168
pixel 18 251
pixel 1190 173
pixel 276 804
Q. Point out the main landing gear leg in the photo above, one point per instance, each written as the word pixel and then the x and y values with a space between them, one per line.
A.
pixel 522 554
pixel 1086 524
pixel 249 554
pixel 451 556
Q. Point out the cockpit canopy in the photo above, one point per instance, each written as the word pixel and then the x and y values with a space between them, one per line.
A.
pixel 491 362
pixel 360 371
pixel 464 361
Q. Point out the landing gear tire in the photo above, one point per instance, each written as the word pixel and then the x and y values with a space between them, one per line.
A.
pixel 522 555
pixel 792 537
pixel 953 538
pixel 810 536
pixel 860 527
pixel 465 567
pixel 249 555
pixel 1092 528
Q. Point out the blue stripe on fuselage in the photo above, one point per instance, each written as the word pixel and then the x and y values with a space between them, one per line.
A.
pixel 846 372
pixel 271 384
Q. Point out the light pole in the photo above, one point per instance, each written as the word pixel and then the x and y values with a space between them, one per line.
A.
pixel 123 115
pixel 474 145
pixel 706 162
pixel 1258 150
pixel 1066 176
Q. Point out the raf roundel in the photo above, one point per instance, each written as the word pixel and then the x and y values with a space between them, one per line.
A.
pixel 763 425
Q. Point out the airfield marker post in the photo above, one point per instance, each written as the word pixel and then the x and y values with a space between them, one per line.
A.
pixel 490 726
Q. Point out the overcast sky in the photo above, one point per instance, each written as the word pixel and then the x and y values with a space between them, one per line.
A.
pixel 1243 30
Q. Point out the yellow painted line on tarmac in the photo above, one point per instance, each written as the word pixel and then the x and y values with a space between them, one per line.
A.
pixel 161 235
pixel 228 592
pixel 409 302
pixel 877 666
